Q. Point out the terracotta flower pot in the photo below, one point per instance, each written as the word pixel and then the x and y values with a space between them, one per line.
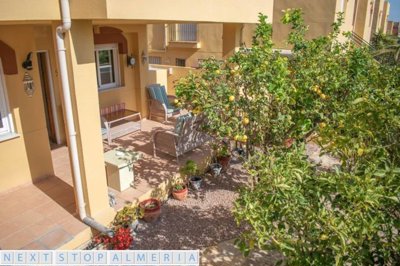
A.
pixel 151 208
pixel 180 194
pixel 288 142
pixel 224 161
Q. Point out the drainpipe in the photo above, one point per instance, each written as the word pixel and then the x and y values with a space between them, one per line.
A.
pixel 60 31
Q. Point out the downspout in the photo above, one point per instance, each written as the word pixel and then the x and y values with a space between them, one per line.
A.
pixel 65 27
pixel 342 3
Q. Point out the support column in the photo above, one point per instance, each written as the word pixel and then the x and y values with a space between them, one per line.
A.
pixel 85 101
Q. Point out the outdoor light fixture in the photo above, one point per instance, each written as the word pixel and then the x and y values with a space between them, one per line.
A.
pixel 28 84
pixel 144 58
pixel 27 64
pixel 130 60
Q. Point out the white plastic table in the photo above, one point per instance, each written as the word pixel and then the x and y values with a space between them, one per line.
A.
pixel 119 168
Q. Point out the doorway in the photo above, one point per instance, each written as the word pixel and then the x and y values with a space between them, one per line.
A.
pixel 50 109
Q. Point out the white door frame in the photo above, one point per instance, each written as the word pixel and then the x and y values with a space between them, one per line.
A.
pixel 52 95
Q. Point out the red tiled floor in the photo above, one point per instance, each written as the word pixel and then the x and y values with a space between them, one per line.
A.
pixel 32 211
pixel 55 239
pixel 150 171
pixel 43 215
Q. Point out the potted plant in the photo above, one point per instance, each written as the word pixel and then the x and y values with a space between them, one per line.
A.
pixel 223 156
pixel 128 217
pixel 151 209
pixel 215 169
pixel 179 191
pixel 121 240
pixel 190 169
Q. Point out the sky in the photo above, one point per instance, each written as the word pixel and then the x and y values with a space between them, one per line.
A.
pixel 394 13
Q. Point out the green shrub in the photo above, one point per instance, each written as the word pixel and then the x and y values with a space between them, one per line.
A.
pixel 334 94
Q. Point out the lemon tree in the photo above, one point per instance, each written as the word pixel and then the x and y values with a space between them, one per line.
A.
pixel 331 93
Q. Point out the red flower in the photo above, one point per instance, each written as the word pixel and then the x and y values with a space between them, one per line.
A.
pixel 121 240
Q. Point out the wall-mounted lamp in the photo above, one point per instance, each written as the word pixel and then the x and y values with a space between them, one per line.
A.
pixel 27 64
pixel 144 58
pixel 28 84
pixel 131 61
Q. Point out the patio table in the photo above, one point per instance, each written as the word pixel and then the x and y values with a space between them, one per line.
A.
pixel 121 122
pixel 119 168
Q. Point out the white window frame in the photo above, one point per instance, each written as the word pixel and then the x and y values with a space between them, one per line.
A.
pixel 116 69
pixel 5 115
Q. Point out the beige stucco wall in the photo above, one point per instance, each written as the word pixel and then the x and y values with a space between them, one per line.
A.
pixel 364 17
pixel 140 10
pixel 156 36
pixel 168 75
pixel 389 28
pixel 215 40
pixel 247 34
pixel 130 81
pixel 134 80
pixel 209 40
pixel 22 10
pixel 83 83
pixel 378 16
pixel 385 15
pixel 193 10
pixel 27 157
pixel 158 76
pixel 318 16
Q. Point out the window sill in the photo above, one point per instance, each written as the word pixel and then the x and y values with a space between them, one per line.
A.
pixel 8 136
pixel 110 89
pixel 185 44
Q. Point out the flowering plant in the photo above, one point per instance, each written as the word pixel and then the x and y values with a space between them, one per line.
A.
pixel 121 240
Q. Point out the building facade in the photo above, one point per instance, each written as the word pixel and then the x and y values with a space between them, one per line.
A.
pixel 36 81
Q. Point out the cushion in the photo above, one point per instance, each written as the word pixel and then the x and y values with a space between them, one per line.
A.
pixel 180 121
pixel 173 110
pixel 159 93
pixel 164 97
pixel 151 89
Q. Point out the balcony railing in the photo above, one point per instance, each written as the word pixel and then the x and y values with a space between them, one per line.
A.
pixel 357 39
pixel 183 32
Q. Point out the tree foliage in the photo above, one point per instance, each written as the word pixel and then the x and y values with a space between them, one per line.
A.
pixel 386 49
pixel 331 93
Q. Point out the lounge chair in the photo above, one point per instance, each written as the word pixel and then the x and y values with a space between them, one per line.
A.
pixel 185 137
pixel 161 104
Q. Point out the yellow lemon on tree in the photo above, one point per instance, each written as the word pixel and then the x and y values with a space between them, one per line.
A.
pixel 176 101
pixel 322 125
pixel 360 151
pixel 231 98
pixel 236 138
pixel 246 121
pixel 251 243
pixel 217 71
pixel 244 138
pixel 323 237
pixel 323 96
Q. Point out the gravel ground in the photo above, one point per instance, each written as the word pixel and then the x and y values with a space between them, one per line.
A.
pixel 203 219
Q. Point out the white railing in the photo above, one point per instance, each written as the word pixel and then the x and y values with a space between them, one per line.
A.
pixel 182 32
